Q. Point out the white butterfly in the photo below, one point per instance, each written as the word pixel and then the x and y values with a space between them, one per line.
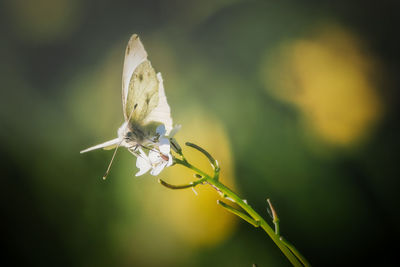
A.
pixel 146 111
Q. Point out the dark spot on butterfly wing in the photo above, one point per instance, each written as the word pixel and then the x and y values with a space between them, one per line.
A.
pixel 128 48
pixel 140 77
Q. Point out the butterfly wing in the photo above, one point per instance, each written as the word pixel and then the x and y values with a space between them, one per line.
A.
pixel 134 56
pixel 143 90
pixel 142 93
pixel 162 112
pixel 106 145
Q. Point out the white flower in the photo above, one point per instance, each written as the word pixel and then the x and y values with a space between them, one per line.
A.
pixel 162 158
pixel 159 155
pixel 143 163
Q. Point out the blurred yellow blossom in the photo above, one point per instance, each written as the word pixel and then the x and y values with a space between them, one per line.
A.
pixel 331 80
pixel 197 219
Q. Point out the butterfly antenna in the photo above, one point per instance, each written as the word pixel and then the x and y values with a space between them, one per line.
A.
pixel 112 159
pixel 115 151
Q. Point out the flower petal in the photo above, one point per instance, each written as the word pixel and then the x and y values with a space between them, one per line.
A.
pixel 158 168
pixel 143 164
pixel 164 146
pixel 169 160
pixel 154 157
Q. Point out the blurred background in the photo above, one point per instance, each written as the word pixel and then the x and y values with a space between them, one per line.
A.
pixel 298 100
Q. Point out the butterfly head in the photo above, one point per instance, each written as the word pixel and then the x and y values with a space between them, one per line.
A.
pixel 133 135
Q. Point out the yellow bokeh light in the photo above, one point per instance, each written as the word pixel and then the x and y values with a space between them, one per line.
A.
pixel 196 219
pixel 330 78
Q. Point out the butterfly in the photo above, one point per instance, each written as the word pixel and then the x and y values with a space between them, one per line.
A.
pixel 147 115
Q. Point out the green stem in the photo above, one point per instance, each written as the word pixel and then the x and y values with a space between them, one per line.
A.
pixel 238 213
pixel 295 251
pixel 228 192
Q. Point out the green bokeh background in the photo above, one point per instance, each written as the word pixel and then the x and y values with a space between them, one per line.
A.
pixel 60 67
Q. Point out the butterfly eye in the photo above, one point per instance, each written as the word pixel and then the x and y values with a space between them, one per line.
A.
pixel 128 135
